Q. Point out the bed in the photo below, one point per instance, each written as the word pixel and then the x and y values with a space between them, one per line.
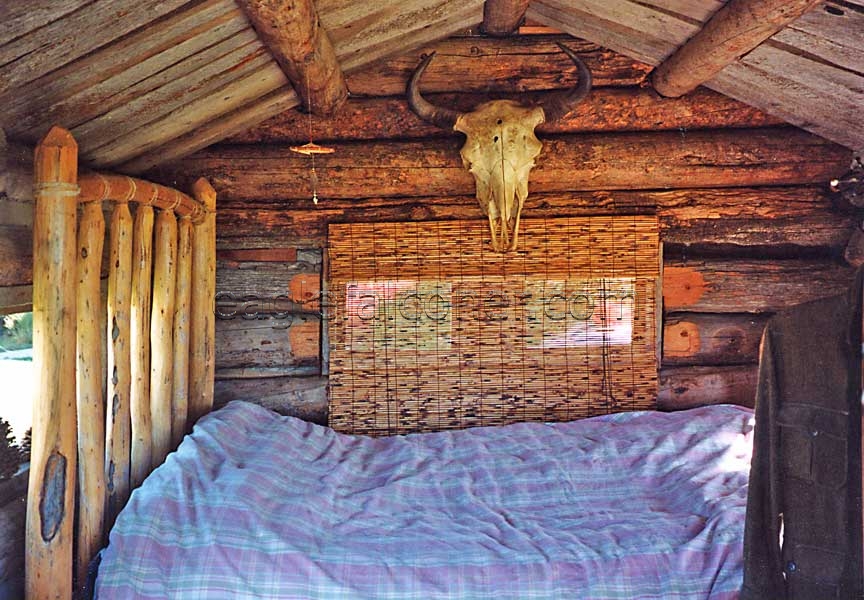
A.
pixel 252 504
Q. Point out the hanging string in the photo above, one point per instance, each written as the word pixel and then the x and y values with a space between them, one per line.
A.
pixel 310 149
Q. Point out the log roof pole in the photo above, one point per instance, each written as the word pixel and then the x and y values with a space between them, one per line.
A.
pixel 503 17
pixel 291 31
pixel 734 30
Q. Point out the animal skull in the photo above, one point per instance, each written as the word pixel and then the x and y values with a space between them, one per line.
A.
pixel 500 146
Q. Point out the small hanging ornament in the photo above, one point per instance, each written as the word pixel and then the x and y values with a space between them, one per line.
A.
pixel 310 149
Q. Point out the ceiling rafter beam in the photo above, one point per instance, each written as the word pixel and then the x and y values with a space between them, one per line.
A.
pixel 291 31
pixel 503 17
pixel 733 31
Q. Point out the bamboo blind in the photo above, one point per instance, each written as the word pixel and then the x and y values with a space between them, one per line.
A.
pixel 430 329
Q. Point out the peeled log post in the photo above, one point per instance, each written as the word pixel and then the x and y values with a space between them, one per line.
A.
pixel 291 31
pixel 53 459
pixel 118 425
pixel 734 30
pixel 91 404
pixel 161 333
pixel 203 322
pixel 139 397
pixel 182 309
pixel 503 17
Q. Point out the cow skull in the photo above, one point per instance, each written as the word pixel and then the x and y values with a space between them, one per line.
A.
pixel 500 146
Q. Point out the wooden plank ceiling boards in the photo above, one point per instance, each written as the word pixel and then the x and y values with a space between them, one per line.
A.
pixel 142 82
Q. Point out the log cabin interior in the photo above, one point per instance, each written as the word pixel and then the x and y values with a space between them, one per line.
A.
pixel 212 201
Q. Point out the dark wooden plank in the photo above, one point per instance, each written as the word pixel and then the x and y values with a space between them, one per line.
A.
pixel 16 255
pixel 568 163
pixel 301 397
pixel 605 109
pixel 711 339
pixel 688 387
pixel 484 65
pixel 705 285
pixel 288 343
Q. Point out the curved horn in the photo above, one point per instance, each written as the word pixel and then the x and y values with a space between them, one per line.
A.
pixel 442 117
pixel 560 104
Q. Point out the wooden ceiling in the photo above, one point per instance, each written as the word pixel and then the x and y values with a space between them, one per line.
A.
pixel 143 82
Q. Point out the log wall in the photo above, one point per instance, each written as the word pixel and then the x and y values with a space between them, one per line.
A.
pixel 748 224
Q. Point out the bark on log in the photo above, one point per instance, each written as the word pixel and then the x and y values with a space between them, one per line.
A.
pixel 687 387
pixel 139 341
pixel 502 17
pixel 202 332
pixel 734 30
pixel 90 382
pixel 605 109
pixel 489 65
pixel 53 459
pixel 118 428
pixel 567 163
pixel 161 334
pixel 292 32
pixel 711 339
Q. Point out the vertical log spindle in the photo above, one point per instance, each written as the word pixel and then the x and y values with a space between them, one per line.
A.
pixel 182 308
pixel 91 404
pixel 142 272
pixel 50 501
pixel 118 424
pixel 203 329
pixel 161 333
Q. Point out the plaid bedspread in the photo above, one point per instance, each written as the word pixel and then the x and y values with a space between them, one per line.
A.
pixel 255 505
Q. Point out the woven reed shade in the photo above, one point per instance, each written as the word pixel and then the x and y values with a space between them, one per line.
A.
pixel 430 329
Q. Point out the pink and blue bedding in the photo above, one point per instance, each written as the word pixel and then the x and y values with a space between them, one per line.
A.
pixel 257 505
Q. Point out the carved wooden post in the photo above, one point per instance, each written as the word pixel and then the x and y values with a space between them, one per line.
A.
pixel 118 427
pixel 91 404
pixel 182 308
pixel 161 333
pixel 139 397
pixel 203 329
pixel 50 501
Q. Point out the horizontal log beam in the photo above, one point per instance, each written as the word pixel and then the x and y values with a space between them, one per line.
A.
pixel 711 339
pixel 292 32
pixel 604 110
pixel 567 163
pixel 502 17
pixel 796 217
pixel 723 286
pixel 687 387
pixel 734 30
pixel 489 65
pixel 302 397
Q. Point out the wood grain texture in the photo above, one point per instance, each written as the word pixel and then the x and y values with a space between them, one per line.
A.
pixel 567 163
pixel 181 336
pixel 605 109
pixel 202 358
pixel 139 341
pixel 162 333
pixel 53 459
pixel 118 428
pixel 90 383
pixel 711 339
pixel 502 17
pixel 737 28
pixel 302 397
pixel 733 217
pixel 295 38
pixel 687 387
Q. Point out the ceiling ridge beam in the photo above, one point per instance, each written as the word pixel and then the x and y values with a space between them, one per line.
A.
pixel 503 17
pixel 291 31
pixel 733 31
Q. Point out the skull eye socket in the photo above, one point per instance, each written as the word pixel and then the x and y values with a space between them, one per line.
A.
pixel 500 121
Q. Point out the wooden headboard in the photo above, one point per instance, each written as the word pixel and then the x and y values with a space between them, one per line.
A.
pixel 146 347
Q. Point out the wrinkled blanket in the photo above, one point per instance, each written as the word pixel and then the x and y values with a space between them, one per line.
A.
pixel 257 505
